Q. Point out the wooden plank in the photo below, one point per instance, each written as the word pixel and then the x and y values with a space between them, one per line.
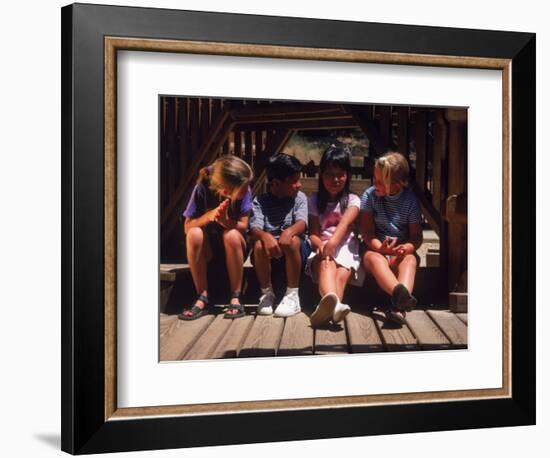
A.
pixel 462 317
pixel 167 324
pixel 396 337
pixel 231 343
pixel 362 334
pixel 264 337
pixel 297 336
pixel 426 331
pixel 331 340
pixel 175 346
pixel 205 345
pixel 455 330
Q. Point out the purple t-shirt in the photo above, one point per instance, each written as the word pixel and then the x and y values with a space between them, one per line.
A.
pixel 204 199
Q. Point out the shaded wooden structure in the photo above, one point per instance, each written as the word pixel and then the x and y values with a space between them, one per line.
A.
pixel 362 331
pixel 194 131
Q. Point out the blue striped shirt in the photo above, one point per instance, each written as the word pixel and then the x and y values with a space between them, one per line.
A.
pixel 274 215
pixel 392 214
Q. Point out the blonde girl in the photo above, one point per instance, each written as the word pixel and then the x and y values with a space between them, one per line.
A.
pixel 216 219
pixel 391 228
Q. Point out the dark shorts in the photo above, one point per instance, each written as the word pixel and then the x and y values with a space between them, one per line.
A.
pixel 215 239
pixel 305 251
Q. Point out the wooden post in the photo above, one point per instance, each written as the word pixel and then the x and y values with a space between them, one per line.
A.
pixel 403 131
pixel 183 133
pixel 385 125
pixel 420 140
pixel 194 127
pixel 170 152
pixel 457 141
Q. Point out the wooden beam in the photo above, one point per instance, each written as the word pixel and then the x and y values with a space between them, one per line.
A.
pixel 290 118
pixel 363 117
pixel 283 109
pixel 428 210
pixel 344 122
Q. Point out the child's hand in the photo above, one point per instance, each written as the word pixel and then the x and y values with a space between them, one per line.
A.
pixel 223 218
pixel 328 250
pixel 388 246
pixel 285 239
pixel 271 246
pixel 404 249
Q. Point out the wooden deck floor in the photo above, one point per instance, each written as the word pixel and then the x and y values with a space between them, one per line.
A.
pixel 212 336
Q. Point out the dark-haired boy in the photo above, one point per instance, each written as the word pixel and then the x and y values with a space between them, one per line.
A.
pixel 277 227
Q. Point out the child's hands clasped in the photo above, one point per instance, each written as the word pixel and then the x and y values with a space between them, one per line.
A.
pixel 222 217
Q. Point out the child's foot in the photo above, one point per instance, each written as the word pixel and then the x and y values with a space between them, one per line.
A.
pixel 395 316
pixel 267 301
pixel 199 308
pixel 401 299
pixel 290 305
pixel 340 312
pixel 324 311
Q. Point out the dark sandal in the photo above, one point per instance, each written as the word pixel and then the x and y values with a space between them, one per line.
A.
pixel 196 311
pixel 401 299
pixel 234 310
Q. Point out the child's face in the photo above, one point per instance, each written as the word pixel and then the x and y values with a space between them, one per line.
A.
pixel 288 187
pixel 235 194
pixel 380 188
pixel 334 179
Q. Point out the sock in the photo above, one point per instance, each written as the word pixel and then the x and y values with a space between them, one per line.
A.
pixel 291 290
pixel 267 290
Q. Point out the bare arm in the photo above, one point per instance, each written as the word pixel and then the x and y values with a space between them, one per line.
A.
pixel 315 232
pixel 347 219
pixel 415 240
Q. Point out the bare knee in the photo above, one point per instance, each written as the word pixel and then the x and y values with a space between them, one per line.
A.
pixel 327 265
pixel 409 260
pixel 372 258
pixel 292 247
pixel 194 237
pixel 232 238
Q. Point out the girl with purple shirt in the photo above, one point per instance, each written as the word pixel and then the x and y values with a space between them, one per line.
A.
pixel 216 218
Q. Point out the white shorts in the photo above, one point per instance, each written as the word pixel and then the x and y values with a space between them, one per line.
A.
pixel 346 255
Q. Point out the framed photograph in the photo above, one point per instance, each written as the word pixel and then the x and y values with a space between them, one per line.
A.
pixel 271 221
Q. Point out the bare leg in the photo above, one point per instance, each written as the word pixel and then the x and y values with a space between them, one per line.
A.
pixel 262 265
pixel 235 246
pixel 378 265
pixel 406 271
pixel 327 276
pixel 198 255
pixel 293 262
pixel 342 277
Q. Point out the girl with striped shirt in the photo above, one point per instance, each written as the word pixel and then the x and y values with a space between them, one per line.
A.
pixel 391 228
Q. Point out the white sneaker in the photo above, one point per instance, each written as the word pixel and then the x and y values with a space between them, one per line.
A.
pixel 340 312
pixel 267 301
pixel 324 311
pixel 290 305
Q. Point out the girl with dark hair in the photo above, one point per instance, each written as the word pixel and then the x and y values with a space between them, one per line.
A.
pixel 335 259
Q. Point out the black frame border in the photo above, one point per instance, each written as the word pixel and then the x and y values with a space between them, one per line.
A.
pixel 84 429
